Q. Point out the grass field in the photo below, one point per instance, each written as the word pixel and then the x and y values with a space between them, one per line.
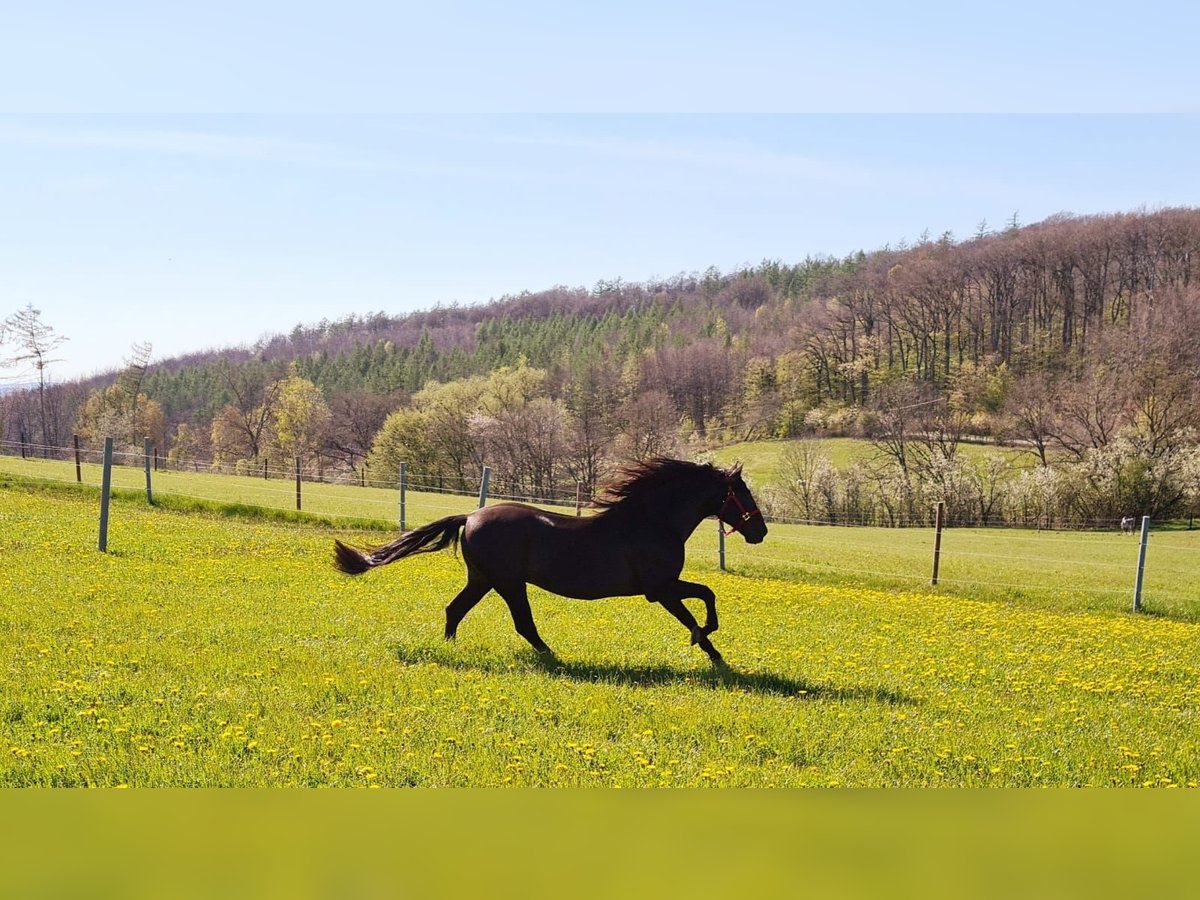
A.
pixel 209 650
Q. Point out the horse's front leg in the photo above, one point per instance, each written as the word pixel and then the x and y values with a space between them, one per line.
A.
pixel 705 593
pixel 671 599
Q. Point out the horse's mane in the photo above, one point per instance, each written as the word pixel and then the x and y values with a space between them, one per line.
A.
pixel 637 480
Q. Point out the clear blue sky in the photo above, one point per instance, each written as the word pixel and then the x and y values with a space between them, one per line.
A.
pixel 405 156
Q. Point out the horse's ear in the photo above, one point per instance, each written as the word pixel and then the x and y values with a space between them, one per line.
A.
pixel 734 471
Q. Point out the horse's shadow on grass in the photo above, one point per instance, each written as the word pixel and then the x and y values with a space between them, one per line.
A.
pixel 725 678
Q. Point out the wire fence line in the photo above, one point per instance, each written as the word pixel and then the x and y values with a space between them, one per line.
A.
pixel 1037 559
pixel 806 544
pixel 269 470
pixel 1162 543
pixel 453 485
pixel 278 473
pixel 466 486
pixel 971 558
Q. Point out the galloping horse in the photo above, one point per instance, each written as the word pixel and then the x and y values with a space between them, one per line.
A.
pixel 634 545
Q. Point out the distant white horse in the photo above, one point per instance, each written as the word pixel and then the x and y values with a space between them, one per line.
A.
pixel 1127 524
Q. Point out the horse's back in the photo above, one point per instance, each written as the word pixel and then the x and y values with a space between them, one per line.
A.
pixel 575 556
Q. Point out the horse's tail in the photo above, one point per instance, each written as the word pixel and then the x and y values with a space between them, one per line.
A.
pixel 435 536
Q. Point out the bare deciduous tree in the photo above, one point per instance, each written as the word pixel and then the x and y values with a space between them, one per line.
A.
pixel 1030 411
pixel 256 392
pixel 35 343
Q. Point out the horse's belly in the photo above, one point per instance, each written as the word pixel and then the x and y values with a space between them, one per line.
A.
pixel 583 582
pixel 573 566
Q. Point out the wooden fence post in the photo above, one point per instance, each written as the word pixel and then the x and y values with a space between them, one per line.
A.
pixel 403 488
pixel 146 448
pixel 297 482
pixel 578 499
pixel 483 486
pixel 78 465
pixel 1141 569
pixel 721 544
pixel 937 539
pixel 105 485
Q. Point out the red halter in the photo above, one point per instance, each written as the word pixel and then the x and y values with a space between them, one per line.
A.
pixel 747 515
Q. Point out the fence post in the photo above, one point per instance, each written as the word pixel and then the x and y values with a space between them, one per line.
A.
pixel 146 448
pixel 721 544
pixel 1137 585
pixel 578 499
pixel 105 485
pixel 78 466
pixel 403 488
pixel 483 486
pixel 297 482
pixel 937 539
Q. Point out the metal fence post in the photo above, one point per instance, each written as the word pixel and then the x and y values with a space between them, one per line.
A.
pixel 937 539
pixel 403 488
pixel 1137 585
pixel 483 486
pixel 105 485
pixel 146 449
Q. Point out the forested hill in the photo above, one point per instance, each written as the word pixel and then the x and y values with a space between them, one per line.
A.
pixel 1042 298
pixel 1066 334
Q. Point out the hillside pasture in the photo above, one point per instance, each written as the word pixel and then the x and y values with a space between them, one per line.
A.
pixel 208 650
pixel 764 459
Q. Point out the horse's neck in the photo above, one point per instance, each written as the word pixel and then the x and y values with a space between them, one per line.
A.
pixel 683 515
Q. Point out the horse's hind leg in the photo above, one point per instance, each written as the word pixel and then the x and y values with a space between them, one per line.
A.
pixel 465 601
pixel 517 598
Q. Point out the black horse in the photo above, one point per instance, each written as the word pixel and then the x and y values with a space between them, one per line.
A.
pixel 634 545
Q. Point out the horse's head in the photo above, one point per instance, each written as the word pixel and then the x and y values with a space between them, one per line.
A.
pixel 739 510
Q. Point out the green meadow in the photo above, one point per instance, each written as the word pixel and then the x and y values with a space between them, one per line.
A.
pixel 217 649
